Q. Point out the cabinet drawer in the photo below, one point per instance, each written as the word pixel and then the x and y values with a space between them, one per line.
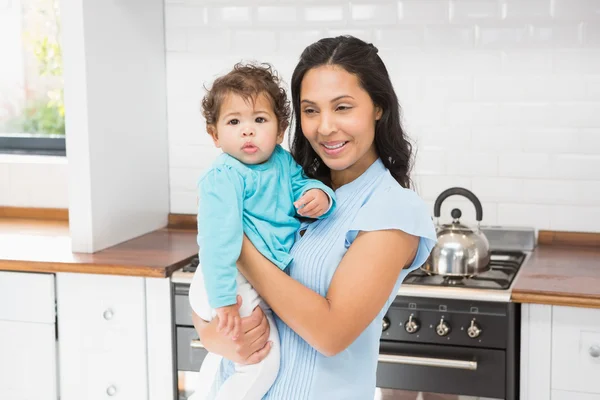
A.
pixel 576 349
pixel 102 336
pixel 27 297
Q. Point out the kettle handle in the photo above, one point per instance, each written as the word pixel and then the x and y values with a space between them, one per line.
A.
pixel 461 192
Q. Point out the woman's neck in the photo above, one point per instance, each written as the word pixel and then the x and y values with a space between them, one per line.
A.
pixel 345 176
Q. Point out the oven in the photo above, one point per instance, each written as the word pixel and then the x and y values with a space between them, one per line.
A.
pixel 440 349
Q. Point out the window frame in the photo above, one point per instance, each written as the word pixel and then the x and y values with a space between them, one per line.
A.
pixel 33 144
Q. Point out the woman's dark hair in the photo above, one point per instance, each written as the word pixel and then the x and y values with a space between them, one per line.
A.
pixel 360 59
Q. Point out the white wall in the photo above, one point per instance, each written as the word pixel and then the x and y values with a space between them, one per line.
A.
pixel 501 96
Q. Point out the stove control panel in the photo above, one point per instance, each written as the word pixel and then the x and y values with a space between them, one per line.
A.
pixel 448 321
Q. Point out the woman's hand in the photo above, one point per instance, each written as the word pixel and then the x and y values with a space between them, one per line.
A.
pixel 250 347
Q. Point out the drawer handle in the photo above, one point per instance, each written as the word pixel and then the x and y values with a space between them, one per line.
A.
pixel 111 390
pixel 108 314
pixel 428 361
pixel 196 344
pixel 595 351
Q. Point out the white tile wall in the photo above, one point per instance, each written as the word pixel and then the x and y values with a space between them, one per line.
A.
pixel 500 96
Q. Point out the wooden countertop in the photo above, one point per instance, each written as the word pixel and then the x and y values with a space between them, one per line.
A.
pixel 45 246
pixel 560 275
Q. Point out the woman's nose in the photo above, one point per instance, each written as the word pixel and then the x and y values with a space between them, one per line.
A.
pixel 326 125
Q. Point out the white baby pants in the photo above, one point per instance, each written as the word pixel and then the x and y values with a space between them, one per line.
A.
pixel 249 382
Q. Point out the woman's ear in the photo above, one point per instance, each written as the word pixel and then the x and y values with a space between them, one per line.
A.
pixel 212 131
pixel 378 113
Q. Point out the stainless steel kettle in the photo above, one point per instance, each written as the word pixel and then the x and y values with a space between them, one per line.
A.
pixel 460 250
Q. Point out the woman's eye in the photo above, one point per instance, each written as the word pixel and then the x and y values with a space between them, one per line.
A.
pixel 343 108
pixel 309 111
pixel 234 121
pixel 260 120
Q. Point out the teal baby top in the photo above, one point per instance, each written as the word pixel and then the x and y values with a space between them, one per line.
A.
pixel 374 201
pixel 236 198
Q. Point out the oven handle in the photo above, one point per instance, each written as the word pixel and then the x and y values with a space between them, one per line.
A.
pixel 196 344
pixel 428 361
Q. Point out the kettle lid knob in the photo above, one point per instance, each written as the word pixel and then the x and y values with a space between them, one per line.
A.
pixel 456 213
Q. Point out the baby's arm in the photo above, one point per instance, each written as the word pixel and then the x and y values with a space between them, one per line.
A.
pixel 311 191
pixel 220 233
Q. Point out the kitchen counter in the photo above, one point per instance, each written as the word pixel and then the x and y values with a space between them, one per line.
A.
pixel 45 246
pixel 560 275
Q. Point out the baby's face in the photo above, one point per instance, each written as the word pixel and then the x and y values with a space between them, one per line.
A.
pixel 247 130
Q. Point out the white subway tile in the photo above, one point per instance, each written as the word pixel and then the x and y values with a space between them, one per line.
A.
pixel 448 88
pixel 481 62
pixel 394 38
pixel 183 202
pixel 592 85
pixel 502 36
pixel 576 166
pixel 554 35
pixel 573 61
pixel 211 40
pixel 183 16
pixel 424 11
pixel 443 138
pixel 471 164
pixel 534 89
pixel 526 115
pixel 175 40
pixel 472 114
pixel 408 88
pixel 430 162
pixel 332 13
pixel 588 193
pixel 550 140
pixel 584 115
pixel 374 13
pixel 546 191
pixel 526 62
pixel 576 9
pixel 525 165
pixel 591 34
pixel 524 215
pixel 229 16
pixel 473 10
pixel 527 10
pixel 575 218
pixel 589 141
pixel 449 36
pixel 294 41
pixel 432 186
pixel 498 189
pixel 496 139
pixel 257 43
pixel 275 15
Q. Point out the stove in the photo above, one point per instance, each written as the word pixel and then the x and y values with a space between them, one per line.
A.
pixel 452 336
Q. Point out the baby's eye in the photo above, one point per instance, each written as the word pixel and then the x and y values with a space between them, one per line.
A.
pixel 260 120
pixel 234 121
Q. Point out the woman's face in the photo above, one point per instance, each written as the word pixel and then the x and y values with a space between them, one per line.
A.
pixel 338 119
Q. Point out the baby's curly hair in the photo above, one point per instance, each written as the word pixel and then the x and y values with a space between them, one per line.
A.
pixel 248 80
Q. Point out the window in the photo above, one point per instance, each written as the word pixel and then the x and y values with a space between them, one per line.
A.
pixel 32 118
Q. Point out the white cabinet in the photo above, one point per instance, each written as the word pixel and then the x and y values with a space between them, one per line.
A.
pixel 27 337
pixel 560 353
pixel 102 337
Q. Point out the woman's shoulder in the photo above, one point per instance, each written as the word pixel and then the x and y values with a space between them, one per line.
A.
pixel 388 195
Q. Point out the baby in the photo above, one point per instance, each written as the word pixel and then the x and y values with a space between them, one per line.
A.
pixel 255 188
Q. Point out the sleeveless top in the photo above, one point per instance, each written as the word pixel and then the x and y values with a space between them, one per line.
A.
pixel 373 201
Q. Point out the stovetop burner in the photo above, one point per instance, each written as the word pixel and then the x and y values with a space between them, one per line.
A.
pixel 503 268
pixel 191 267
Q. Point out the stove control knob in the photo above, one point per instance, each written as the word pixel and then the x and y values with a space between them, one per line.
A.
pixel 385 324
pixel 443 328
pixel 412 325
pixel 474 330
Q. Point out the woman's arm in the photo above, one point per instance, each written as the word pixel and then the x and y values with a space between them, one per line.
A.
pixel 359 289
pixel 251 347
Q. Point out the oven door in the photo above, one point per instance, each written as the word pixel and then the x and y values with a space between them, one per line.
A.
pixel 433 372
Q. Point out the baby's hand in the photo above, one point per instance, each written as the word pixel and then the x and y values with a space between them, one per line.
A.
pixel 229 320
pixel 313 203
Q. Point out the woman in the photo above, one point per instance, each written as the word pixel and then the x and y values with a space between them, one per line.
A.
pixel 347 268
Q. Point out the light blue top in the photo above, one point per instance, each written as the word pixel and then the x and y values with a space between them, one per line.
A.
pixel 236 198
pixel 374 201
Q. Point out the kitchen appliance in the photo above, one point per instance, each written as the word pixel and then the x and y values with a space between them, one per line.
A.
pixel 443 338
pixel 460 250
